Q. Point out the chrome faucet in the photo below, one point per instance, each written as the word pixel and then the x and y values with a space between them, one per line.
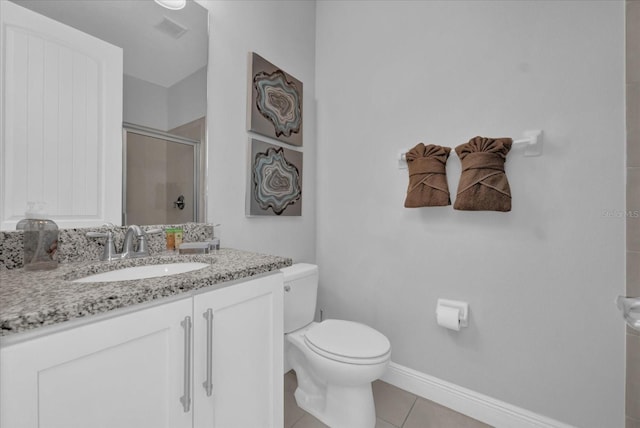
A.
pixel 142 250
pixel 128 250
pixel 127 245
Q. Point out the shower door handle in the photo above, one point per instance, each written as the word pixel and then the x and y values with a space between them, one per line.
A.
pixel 208 383
pixel 179 203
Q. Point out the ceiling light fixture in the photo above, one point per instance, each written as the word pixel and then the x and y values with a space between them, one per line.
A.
pixel 172 4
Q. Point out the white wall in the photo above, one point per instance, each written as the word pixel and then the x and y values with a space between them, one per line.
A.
pixel 145 103
pixel 187 99
pixel 544 333
pixel 157 107
pixel 283 32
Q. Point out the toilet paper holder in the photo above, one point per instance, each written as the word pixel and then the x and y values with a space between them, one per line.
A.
pixel 630 308
pixel 463 308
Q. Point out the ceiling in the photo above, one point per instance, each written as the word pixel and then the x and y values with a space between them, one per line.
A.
pixel 149 54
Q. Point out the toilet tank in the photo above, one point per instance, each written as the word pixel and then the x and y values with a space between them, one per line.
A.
pixel 300 293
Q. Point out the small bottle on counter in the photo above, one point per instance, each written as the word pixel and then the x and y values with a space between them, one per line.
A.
pixel 171 238
pixel 214 244
pixel 40 240
pixel 174 238
pixel 178 237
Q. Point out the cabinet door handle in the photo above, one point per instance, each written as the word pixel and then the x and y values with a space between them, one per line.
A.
pixel 208 383
pixel 186 398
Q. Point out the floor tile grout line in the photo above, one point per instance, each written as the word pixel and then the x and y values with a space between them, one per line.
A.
pixel 415 400
pixel 383 419
pixel 298 420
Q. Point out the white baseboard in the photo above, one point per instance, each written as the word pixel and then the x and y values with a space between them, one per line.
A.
pixel 473 404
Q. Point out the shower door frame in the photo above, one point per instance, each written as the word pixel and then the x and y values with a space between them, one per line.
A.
pixel 154 133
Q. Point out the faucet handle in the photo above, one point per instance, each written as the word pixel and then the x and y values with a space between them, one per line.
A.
pixel 97 234
pixel 110 228
pixel 142 240
pixel 109 252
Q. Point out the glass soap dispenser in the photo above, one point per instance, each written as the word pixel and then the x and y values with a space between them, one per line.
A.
pixel 40 239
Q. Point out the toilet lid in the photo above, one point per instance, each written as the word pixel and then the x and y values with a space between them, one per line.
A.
pixel 347 339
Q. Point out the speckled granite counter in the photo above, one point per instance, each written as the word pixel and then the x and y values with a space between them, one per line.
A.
pixel 29 300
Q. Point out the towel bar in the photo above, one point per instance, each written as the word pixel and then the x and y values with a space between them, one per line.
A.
pixel 531 141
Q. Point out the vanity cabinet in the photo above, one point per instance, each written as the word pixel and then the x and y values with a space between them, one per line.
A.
pixel 125 371
pixel 152 367
pixel 238 347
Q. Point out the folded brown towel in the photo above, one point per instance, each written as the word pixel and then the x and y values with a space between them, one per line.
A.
pixel 427 176
pixel 483 182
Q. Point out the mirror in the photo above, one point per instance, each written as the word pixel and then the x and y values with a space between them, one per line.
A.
pixel 165 59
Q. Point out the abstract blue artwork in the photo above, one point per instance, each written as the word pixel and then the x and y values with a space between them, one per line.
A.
pixel 276 180
pixel 275 100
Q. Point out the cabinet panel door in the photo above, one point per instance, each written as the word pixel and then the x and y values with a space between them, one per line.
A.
pixel 122 372
pixel 247 352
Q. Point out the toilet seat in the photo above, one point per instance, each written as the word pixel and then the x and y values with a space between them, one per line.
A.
pixel 348 342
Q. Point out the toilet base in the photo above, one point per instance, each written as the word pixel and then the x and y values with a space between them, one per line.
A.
pixel 337 393
pixel 340 406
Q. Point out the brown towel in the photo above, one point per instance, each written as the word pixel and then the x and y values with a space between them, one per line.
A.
pixel 483 183
pixel 427 176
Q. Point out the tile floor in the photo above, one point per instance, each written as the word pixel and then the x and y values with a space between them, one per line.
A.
pixel 395 408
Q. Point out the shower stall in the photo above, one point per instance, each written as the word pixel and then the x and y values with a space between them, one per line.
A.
pixel 161 182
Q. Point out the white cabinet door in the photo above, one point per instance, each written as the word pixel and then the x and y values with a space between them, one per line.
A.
pixel 124 372
pixel 245 355
pixel 60 121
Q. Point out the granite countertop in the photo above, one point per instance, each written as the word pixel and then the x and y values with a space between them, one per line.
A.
pixel 29 300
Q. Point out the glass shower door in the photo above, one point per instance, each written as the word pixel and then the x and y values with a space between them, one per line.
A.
pixel 160 183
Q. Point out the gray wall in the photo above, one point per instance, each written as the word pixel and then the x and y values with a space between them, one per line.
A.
pixel 633 206
pixel 145 103
pixel 541 280
pixel 161 108
pixel 283 32
pixel 544 333
pixel 187 99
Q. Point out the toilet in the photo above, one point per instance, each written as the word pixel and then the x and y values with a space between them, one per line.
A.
pixel 335 360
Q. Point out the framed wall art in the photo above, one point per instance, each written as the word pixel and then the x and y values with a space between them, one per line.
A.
pixel 275 182
pixel 275 102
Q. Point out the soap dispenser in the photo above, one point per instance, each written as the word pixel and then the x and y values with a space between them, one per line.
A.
pixel 40 239
pixel 31 208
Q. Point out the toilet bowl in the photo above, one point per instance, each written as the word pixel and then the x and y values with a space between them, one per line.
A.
pixel 335 360
pixel 334 383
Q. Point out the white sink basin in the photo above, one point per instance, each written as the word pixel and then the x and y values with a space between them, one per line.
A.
pixel 141 272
